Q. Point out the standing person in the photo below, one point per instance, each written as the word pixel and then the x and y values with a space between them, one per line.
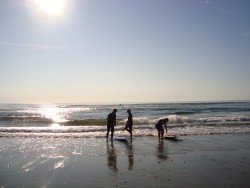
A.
pixel 159 127
pixel 111 122
pixel 129 123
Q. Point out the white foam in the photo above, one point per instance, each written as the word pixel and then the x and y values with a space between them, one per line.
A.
pixel 119 131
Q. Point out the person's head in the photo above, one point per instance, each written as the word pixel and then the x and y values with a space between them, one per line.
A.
pixel 166 119
pixel 128 111
pixel 114 111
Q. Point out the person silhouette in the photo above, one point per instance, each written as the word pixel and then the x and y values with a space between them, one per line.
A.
pixel 111 122
pixel 129 123
pixel 159 127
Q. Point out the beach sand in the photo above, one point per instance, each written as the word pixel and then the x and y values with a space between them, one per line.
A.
pixel 195 161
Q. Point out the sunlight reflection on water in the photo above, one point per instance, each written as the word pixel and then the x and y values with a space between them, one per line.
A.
pixel 54 113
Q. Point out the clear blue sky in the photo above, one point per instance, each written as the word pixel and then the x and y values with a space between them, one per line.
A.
pixel 125 51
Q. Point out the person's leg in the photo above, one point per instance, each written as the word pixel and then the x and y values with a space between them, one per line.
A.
pixel 158 129
pixel 112 131
pixel 162 133
pixel 129 129
pixel 130 132
pixel 159 134
pixel 108 129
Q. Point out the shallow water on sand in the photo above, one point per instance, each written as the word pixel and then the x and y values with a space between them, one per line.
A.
pixel 200 161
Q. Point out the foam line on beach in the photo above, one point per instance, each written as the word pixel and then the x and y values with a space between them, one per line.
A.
pixel 181 131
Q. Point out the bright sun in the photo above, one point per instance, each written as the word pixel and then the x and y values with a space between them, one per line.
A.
pixel 51 8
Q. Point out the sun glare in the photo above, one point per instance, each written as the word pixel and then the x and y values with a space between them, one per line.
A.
pixel 51 8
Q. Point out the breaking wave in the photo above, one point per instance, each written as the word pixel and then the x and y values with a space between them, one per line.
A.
pixel 174 120
pixel 90 120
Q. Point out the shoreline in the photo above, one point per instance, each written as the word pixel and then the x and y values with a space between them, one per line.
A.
pixel 195 161
pixel 93 132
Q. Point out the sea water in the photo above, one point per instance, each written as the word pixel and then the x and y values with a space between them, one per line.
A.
pixel 89 120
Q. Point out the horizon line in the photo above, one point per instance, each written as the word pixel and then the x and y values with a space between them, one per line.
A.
pixel 119 103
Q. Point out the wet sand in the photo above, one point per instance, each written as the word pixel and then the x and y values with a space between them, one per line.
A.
pixel 195 161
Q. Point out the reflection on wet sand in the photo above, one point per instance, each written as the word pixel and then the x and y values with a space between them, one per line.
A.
pixel 130 155
pixel 161 150
pixel 111 156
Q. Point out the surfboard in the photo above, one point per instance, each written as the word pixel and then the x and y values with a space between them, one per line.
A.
pixel 120 138
pixel 171 137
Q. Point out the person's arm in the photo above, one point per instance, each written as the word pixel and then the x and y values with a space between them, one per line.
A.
pixel 166 127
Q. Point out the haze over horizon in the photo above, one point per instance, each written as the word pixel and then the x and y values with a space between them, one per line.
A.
pixel 124 51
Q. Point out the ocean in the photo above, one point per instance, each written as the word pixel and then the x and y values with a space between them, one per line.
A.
pixel 89 120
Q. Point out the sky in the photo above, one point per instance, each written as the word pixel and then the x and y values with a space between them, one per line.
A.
pixel 124 51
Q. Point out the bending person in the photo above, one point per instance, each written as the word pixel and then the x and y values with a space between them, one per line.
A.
pixel 159 127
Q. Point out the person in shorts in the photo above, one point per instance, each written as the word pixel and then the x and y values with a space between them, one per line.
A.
pixel 159 127
pixel 111 123
pixel 129 123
